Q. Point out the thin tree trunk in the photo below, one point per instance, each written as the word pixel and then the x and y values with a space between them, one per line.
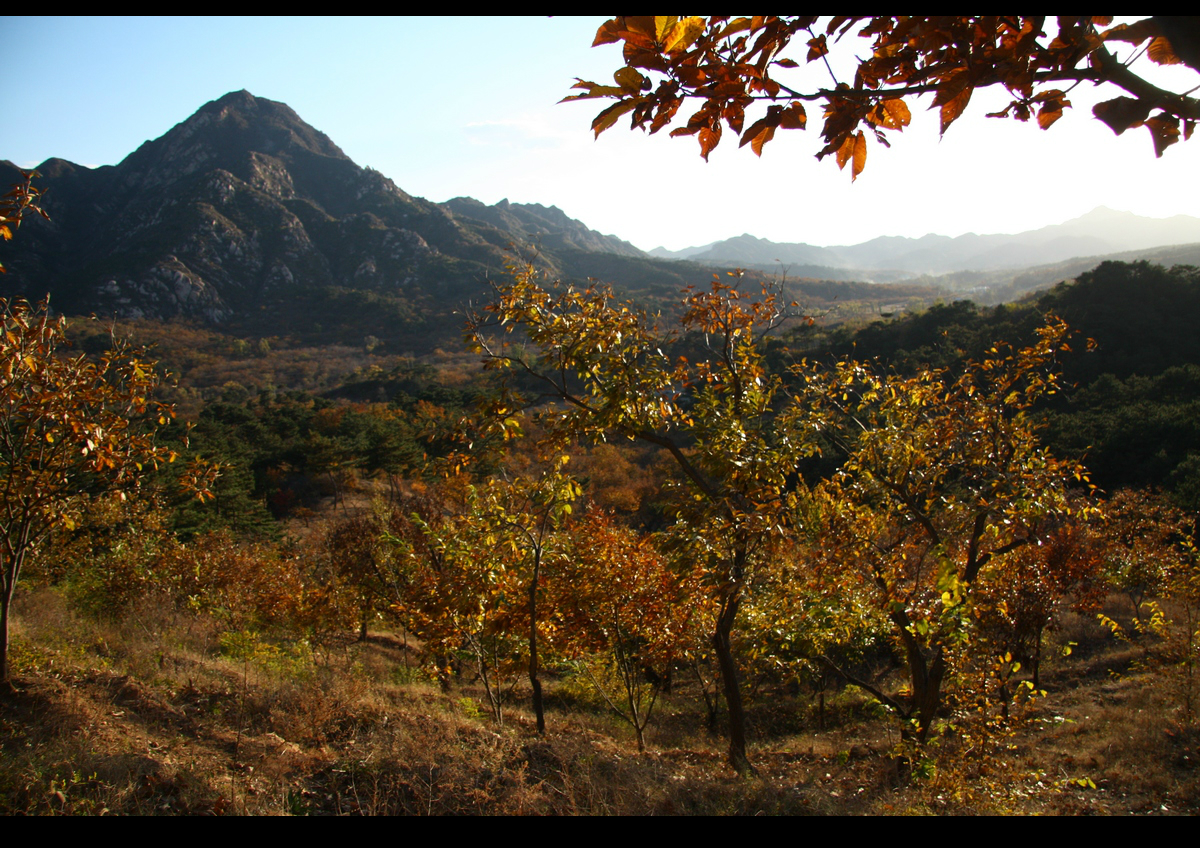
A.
pixel 1037 659
pixel 534 682
pixel 13 573
pixel 4 603
pixel 712 703
pixel 733 694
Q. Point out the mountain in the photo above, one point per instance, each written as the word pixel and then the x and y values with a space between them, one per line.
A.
pixel 1100 232
pixel 244 212
pixel 748 249
pixel 547 227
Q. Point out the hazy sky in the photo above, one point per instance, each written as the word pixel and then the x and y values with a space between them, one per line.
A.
pixel 468 106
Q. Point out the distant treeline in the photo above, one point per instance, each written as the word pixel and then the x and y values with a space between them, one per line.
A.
pixel 1132 409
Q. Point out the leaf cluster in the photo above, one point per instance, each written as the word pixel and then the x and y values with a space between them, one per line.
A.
pixel 731 63
pixel 22 199
pixel 69 426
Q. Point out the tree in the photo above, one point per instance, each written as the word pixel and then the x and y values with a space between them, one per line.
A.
pixel 944 480
pixel 359 555
pixel 628 615
pixel 475 581
pixel 70 428
pixel 608 368
pixel 1038 584
pixel 521 518
pixel 730 64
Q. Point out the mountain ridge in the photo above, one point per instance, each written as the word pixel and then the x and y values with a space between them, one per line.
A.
pixel 1098 232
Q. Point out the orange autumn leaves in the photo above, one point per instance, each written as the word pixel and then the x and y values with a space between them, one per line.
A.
pixel 730 64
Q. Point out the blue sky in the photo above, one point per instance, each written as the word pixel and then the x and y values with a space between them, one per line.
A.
pixel 469 106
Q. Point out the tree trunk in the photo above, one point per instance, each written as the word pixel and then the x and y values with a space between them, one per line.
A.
pixel 1037 658
pixel 927 689
pixel 7 591
pixel 733 694
pixel 4 603
pixel 712 703
pixel 534 682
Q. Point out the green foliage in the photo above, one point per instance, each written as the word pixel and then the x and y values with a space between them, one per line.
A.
pixel 291 659
pixel 288 451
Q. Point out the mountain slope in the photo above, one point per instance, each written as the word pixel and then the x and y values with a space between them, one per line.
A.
pixel 244 208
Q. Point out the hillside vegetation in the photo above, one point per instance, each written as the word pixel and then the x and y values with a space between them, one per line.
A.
pixel 943 562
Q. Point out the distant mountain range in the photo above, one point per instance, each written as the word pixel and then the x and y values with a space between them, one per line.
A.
pixel 1101 231
pixel 244 214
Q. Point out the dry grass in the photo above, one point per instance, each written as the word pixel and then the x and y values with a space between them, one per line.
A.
pixel 163 713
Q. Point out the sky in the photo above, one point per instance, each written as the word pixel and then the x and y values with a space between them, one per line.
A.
pixel 470 106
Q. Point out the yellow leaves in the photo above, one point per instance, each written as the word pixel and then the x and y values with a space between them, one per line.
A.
pixel 793 117
pixel 81 416
pixel 1134 33
pixel 729 64
pixel 1160 51
pixel 16 203
pixel 1051 108
pixel 681 34
pixel 630 80
pixel 610 115
pixel 891 114
pixel 757 136
pixel 608 33
pixel 1164 130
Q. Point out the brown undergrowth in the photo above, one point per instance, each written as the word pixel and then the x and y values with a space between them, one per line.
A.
pixel 166 713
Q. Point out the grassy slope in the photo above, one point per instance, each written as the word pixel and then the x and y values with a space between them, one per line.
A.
pixel 157 715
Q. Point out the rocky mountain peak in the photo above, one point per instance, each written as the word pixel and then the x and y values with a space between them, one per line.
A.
pixel 243 205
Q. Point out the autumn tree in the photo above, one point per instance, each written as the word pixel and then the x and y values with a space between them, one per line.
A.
pixel 472 579
pixel 944 479
pixel 609 370
pixel 519 519
pixel 70 428
pixel 628 615
pixel 1144 535
pixel 1037 585
pixel 1153 556
pixel 799 623
pixel 360 556
pixel 729 65
pixel 435 592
